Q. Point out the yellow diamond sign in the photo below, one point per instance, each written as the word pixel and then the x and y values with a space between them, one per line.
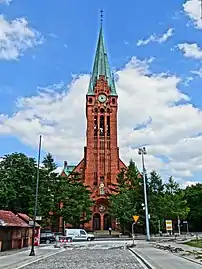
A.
pixel 136 218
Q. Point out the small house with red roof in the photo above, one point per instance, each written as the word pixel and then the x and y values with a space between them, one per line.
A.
pixel 15 233
pixel 27 219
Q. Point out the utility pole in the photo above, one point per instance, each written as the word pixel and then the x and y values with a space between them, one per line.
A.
pixel 32 252
pixel 159 225
pixel 178 222
pixel 142 151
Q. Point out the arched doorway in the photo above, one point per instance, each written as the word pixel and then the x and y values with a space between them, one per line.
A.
pixel 96 221
pixel 107 222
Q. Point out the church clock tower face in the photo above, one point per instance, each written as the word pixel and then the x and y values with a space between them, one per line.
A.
pixel 102 98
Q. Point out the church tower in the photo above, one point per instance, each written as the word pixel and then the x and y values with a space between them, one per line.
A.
pixel 101 162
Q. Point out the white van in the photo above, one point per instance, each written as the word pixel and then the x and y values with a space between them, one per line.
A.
pixel 79 235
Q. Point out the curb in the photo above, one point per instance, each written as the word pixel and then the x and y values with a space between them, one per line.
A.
pixel 39 259
pixel 191 260
pixel 145 262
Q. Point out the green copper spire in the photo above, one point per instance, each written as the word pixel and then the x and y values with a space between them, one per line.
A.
pixel 101 66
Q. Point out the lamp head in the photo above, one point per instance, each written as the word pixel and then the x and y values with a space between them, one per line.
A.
pixel 144 151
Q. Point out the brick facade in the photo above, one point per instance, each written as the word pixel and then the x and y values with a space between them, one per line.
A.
pixel 101 162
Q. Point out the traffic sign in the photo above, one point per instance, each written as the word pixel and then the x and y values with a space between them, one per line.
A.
pixel 136 218
pixel 169 225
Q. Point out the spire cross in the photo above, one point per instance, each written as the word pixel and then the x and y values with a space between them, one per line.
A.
pixel 101 15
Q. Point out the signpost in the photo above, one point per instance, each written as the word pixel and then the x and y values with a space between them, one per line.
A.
pixel 135 218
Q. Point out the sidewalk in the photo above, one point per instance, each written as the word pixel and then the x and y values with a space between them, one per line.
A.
pixel 160 259
pixel 22 258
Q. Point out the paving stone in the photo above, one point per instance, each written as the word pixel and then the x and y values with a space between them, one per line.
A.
pixel 89 259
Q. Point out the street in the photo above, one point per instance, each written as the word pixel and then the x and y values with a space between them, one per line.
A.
pixel 88 259
pixel 101 254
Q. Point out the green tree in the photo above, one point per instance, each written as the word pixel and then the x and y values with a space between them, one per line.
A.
pixel 75 198
pixel 193 195
pixel 17 182
pixel 49 163
pixel 129 197
pixel 175 201
pixel 47 199
pixel 156 194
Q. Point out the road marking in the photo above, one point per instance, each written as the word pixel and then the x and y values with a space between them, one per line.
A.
pixel 39 259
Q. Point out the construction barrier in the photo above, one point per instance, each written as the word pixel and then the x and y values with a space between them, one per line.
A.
pixel 62 241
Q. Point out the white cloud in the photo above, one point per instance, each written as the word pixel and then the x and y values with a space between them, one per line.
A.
pixel 169 130
pixel 188 184
pixel 158 39
pixel 191 50
pixel 197 72
pixel 193 9
pixel 16 37
pixel 7 2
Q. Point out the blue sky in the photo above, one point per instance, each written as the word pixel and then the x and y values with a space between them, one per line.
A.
pixel 61 44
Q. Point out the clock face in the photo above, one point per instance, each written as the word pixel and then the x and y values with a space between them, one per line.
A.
pixel 102 98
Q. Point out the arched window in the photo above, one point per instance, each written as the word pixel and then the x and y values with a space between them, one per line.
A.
pixel 113 101
pixel 108 125
pixel 95 126
pixel 102 126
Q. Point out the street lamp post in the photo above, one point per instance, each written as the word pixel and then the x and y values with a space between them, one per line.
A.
pixel 142 151
pixel 32 252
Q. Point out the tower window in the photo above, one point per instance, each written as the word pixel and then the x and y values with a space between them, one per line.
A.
pixel 102 130
pixel 113 101
pixel 95 179
pixel 102 110
pixel 108 110
pixel 108 125
pixel 95 126
pixel 102 144
pixel 108 178
pixel 96 110
pixel 90 100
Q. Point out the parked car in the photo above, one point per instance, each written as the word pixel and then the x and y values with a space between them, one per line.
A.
pixel 79 235
pixel 46 237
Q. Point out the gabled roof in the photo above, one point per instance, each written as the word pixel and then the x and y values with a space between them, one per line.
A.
pixel 9 219
pixel 101 67
pixel 68 169
pixel 26 218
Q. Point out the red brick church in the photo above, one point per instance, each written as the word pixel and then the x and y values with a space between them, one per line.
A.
pixel 101 162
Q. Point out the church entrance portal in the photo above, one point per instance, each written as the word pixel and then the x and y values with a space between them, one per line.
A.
pixel 107 222
pixel 96 222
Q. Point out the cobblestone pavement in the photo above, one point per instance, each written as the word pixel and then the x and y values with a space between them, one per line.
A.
pixel 89 259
